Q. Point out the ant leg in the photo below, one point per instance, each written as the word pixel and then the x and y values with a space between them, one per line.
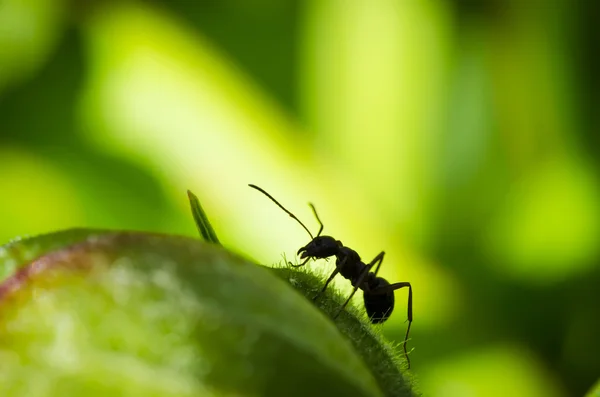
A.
pixel 380 256
pixel 393 287
pixel 378 259
pixel 336 271
pixel 345 303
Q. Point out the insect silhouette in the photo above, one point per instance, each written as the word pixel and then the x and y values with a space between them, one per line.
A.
pixel 378 293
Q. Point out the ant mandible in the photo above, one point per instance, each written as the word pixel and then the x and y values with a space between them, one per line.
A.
pixel 378 293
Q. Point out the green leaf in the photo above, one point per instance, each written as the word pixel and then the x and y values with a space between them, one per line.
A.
pixel 141 314
pixel 201 220
pixel 383 358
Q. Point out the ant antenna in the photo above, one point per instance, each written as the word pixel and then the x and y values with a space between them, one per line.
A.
pixel 288 212
pixel 318 219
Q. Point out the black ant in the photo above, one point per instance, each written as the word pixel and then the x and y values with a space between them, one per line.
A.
pixel 378 293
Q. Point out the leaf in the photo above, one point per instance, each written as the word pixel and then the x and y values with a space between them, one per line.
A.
pixel 382 357
pixel 202 222
pixel 141 314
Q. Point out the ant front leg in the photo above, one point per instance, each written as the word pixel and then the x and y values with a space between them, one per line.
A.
pixel 378 259
pixel 336 271
pixel 393 287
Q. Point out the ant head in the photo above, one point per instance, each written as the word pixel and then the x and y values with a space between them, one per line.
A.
pixel 320 247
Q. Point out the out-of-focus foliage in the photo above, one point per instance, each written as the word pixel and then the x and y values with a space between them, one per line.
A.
pixel 459 137
pixel 595 391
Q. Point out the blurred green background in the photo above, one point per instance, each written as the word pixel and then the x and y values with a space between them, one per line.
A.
pixel 458 136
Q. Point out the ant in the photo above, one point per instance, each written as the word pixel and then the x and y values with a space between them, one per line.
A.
pixel 378 293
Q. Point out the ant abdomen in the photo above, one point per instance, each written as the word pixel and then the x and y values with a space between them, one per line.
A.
pixel 379 307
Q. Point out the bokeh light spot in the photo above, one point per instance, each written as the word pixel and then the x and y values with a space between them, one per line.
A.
pixel 495 371
pixel 549 226
pixel 36 196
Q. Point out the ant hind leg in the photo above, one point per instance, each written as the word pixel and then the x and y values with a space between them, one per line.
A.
pixel 393 287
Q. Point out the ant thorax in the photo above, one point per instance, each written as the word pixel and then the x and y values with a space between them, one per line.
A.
pixel 345 254
pixel 349 263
